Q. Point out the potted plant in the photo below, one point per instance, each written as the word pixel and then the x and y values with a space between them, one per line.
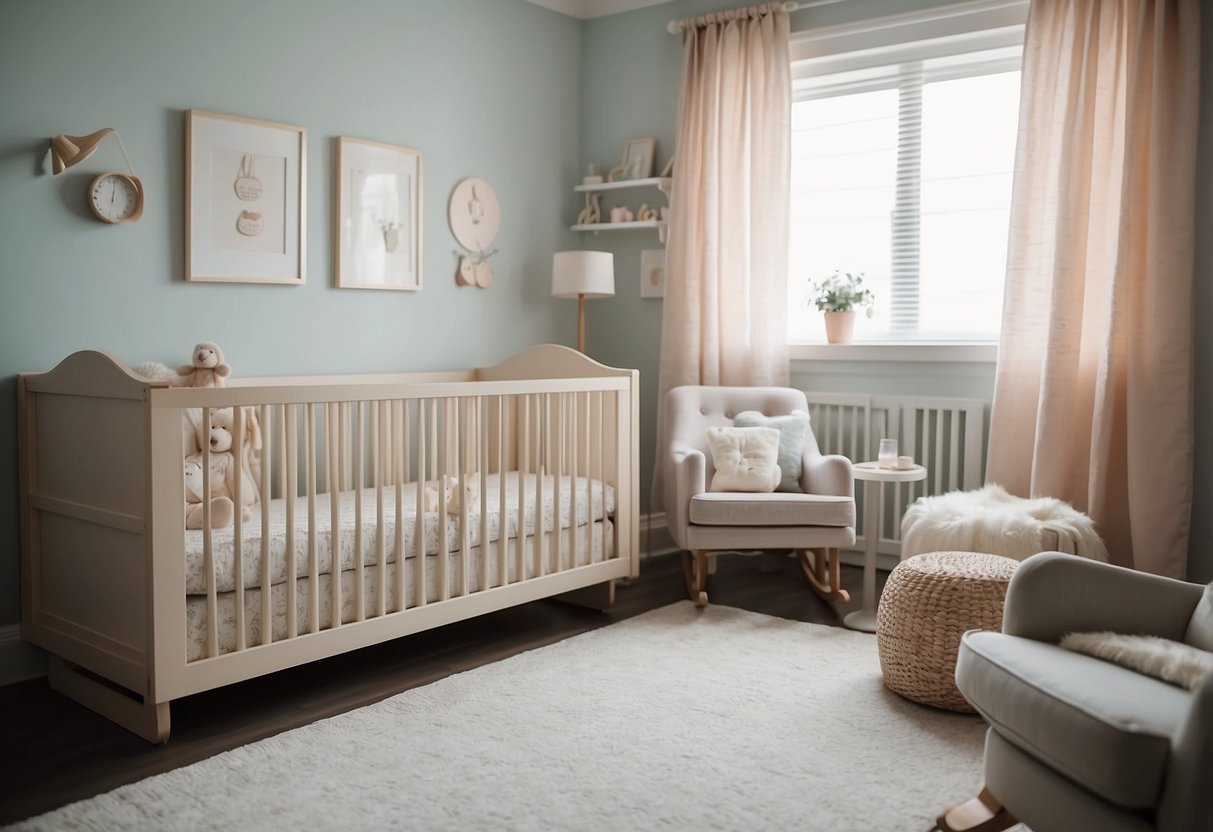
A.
pixel 838 296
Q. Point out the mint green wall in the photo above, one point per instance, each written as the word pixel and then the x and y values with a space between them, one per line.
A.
pixel 632 69
pixel 489 89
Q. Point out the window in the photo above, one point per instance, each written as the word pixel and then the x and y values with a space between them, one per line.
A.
pixel 901 169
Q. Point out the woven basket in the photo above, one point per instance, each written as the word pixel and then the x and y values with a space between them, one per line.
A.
pixel 928 602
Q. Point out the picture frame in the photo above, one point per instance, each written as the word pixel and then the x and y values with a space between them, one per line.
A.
pixel 245 200
pixel 377 216
pixel 637 160
pixel 652 273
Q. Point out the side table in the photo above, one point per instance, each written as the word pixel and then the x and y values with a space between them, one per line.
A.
pixel 874 477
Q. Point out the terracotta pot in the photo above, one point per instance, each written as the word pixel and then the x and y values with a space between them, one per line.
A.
pixel 840 326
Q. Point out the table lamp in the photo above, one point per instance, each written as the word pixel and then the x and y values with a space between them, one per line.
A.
pixel 581 275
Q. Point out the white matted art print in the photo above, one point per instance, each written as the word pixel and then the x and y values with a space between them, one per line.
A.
pixel 652 273
pixel 245 191
pixel 378 216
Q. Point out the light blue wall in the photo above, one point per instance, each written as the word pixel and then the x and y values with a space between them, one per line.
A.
pixel 489 89
pixel 632 70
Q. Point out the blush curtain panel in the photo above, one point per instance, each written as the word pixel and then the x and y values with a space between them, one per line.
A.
pixel 724 320
pixel 1093 398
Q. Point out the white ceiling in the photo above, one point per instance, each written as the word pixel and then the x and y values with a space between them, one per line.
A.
pixel 583 9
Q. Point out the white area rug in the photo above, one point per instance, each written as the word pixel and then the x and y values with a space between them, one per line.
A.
pixel 678 719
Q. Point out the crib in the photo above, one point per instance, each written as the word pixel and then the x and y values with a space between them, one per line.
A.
pixel 342 545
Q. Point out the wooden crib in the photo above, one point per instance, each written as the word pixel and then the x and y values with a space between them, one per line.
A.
pixel 344 548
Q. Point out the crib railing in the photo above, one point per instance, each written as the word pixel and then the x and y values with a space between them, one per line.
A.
pixel 363 451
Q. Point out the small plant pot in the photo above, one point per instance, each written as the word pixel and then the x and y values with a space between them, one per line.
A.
pixel 840 327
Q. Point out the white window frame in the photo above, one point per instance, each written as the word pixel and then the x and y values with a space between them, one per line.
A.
pixel 952 29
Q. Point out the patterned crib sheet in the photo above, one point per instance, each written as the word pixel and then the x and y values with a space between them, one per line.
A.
pixel 589 497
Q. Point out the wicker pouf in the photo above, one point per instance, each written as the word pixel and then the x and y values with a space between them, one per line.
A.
pixel 928 602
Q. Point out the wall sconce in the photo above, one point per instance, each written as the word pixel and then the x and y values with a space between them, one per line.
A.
pixel 112 197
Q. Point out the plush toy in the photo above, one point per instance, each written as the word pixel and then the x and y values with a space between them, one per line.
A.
pixel 223 477
pixel 220 441
pixel 222 509
pixel 451 497
pixel 207 368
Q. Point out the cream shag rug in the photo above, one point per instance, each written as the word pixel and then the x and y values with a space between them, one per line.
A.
pixel 717 719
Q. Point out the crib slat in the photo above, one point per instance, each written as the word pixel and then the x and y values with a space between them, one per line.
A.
pixel 558 488
pixel 333 468
pixel 358 452
pixel 419 521
pixel 379 447
pixel 939 448
pixel 503 520
pixel 461 457
pixel 238 522
pixel 400 414
pixel 523 429
pixel 602 463
pixel 482 419
pixel 574 432
pixel 954 460
pixel 208 547
pixel 289 417
pixel 541 413
pixel 443 433
pixel 267 467
pixel 313 551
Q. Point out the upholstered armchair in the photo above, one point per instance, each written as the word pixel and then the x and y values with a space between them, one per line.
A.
pixel 1076 742
pixel 820 518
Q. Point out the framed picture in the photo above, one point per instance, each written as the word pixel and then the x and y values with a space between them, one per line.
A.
pixel 652 273
pixel 637 160
pixel 378 216
pixel 245 195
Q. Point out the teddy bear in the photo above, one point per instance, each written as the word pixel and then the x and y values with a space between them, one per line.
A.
pixel 207 368
pixel 451 497
pixel 222 508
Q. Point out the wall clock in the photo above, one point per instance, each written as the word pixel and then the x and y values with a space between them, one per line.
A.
pixel 116 197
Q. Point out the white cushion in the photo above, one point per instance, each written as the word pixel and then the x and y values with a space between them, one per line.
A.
pixel 744 459
pixel 791 429
pixel 731 509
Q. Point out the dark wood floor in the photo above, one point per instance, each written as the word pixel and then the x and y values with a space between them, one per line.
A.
pixel 56 751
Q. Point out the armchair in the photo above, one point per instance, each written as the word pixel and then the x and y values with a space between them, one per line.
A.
pixel 822 519
pixel 1078 743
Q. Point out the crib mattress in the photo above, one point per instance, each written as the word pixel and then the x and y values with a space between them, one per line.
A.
pixel 594 543
pixel 589 497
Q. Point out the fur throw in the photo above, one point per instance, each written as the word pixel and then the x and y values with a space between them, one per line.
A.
pixel 1170 661
pixel 991 520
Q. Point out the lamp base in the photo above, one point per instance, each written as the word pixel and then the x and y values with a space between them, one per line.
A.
pixel 581 323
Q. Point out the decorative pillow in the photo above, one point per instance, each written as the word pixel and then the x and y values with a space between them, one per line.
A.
pixel 791 429
pixel 1170 661
pixel 744 459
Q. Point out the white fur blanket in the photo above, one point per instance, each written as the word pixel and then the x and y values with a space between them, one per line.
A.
pixel 1171 661
pixel 991 520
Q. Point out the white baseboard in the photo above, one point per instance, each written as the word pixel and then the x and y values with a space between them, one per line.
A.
pixel 18 659
pixel 884 561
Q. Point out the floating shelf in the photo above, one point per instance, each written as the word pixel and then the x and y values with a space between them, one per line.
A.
pixel 660 226
pixel 662 183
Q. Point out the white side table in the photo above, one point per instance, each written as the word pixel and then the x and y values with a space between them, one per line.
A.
pixel 874 477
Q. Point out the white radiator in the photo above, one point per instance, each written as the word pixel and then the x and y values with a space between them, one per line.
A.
pixel 946 435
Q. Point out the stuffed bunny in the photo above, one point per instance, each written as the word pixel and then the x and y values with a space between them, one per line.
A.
pixel 222 509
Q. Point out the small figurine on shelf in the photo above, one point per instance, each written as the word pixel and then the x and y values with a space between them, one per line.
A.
pixel 645 214
pixel 593 176
pixel 621 213
pixel 592 212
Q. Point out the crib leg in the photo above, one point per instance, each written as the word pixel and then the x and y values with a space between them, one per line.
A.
pixel 148 720
pixel 597 597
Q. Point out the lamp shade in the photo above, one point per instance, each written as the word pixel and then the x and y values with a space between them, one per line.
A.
pixel 589 273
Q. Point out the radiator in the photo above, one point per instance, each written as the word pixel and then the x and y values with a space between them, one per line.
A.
pixel 944 434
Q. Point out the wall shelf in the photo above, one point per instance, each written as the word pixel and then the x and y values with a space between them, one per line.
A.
pixel 661 183
pixel 659 225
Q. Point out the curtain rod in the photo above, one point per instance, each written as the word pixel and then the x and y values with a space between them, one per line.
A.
pixel 676 26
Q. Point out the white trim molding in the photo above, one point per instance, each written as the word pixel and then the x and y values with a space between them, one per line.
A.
pixel 585 9
pixel 975 352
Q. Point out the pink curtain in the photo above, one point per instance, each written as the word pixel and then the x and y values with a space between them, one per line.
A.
pixel 1093 398
pixel 724 320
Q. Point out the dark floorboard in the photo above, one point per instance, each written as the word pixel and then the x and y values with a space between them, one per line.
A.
pixel 57 752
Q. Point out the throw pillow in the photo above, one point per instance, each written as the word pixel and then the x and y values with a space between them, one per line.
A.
pixel 792 429
pixel 744 459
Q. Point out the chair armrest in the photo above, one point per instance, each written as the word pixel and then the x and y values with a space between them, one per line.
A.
pixel 688 477
pixel 1185 801
pixel 1052 594
pixel 827 474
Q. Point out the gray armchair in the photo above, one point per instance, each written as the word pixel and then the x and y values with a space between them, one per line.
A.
pixel 822 519
pixel 1077 743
